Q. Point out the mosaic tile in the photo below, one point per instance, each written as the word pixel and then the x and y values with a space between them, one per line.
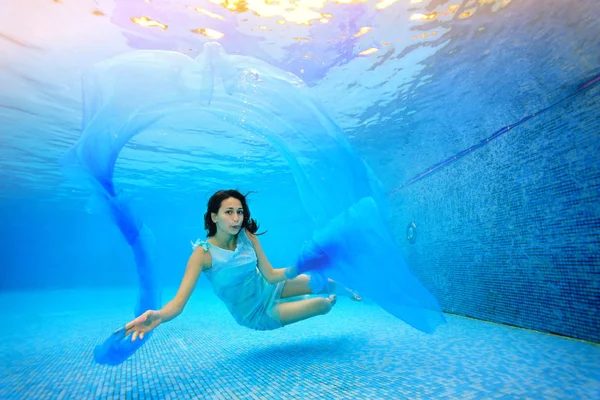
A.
pixel 511 232
pixel 356 351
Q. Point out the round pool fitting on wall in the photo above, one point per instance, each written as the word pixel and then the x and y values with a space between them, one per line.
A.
pixel 411 232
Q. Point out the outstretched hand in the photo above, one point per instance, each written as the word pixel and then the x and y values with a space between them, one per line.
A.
pixel 143 324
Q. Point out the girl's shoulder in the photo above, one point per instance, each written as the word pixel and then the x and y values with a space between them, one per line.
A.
pixel 201 243
pixel 206 257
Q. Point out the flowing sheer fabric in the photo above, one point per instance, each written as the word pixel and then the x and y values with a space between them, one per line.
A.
pixel 125 95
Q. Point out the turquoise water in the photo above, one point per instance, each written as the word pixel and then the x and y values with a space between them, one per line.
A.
pixel 506 231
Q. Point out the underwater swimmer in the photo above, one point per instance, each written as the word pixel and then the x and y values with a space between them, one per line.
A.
pixel 241 276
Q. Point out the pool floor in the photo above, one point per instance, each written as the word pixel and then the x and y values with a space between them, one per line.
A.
pixel 357 351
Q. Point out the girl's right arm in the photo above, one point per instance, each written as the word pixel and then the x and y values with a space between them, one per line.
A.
pixel 197 262
pixel 151 318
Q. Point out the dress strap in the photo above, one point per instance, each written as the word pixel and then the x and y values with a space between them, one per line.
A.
pixel 205 245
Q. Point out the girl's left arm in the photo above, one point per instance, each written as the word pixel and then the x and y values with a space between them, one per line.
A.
pixel 272 275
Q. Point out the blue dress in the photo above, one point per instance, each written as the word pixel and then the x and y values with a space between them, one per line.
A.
pixel 237 281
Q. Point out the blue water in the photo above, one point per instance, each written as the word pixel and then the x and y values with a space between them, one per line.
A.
pixel 506 229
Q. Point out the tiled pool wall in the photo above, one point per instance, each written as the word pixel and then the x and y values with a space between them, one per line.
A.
pixel 511 232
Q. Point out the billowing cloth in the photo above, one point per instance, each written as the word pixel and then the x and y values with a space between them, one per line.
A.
pixel 116 348
pixel 84 163
pixel 124 95
pixel 236 280
pixel 356 249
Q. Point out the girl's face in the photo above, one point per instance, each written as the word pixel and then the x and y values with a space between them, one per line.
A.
pixel 230 217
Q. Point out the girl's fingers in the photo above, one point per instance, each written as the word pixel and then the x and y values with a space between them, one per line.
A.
pixel 121 329
pixel 131 327
pixel 138 320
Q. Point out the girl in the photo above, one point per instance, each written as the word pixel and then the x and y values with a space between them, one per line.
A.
pixel 241 276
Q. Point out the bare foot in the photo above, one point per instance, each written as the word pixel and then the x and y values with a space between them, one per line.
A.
pixel 353 296
pixel 332 299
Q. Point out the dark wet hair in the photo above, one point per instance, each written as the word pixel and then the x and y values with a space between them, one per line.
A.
pixel 214 203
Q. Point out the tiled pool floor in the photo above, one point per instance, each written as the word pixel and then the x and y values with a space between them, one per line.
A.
pixel 357 351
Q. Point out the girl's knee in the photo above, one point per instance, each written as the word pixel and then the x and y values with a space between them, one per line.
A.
pixel 324 306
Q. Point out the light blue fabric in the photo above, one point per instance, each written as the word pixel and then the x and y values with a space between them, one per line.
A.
pixel 344 201
pixel 356 249
pixel 236 280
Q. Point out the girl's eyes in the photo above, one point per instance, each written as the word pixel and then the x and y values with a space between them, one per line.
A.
pixel 229 212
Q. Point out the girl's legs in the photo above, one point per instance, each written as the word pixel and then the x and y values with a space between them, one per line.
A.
pixel 299 287
pixel 295 311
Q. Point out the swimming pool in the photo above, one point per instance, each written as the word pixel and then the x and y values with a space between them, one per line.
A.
pixel 479 119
